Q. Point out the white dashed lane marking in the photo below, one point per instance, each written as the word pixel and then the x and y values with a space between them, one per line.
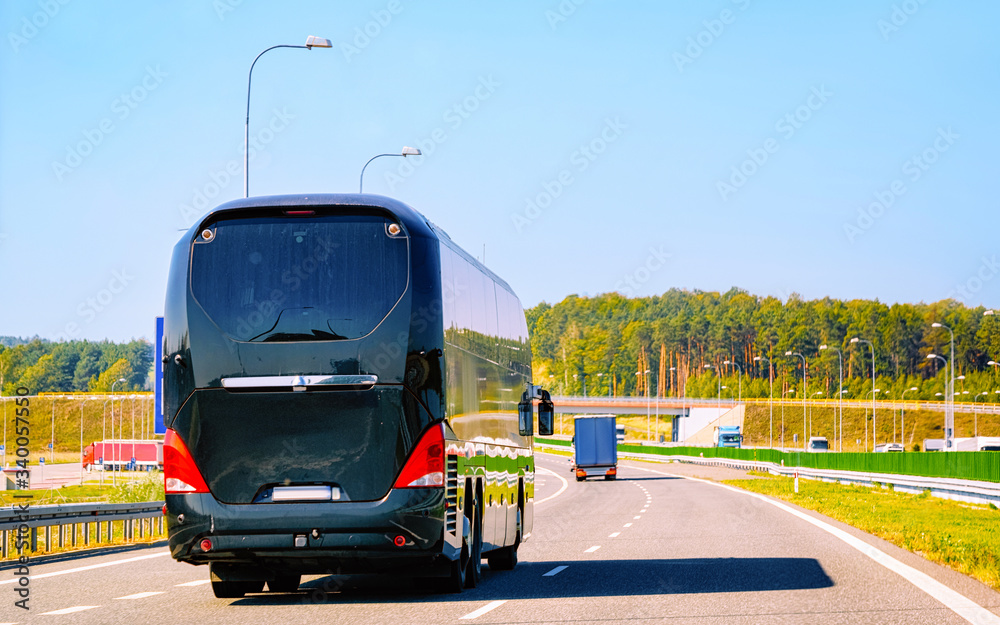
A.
pixel 614 535
pixel 593 549
pixel 140 595
pixel 492 605
pixel 556 571
pixel 78 608
pixel 198 582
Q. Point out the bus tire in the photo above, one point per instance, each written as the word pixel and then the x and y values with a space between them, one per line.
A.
pixel 475 569
pixel 235 590
pixel 284 583
pixel 505 559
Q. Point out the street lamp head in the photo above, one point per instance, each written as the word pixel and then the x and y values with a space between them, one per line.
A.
pixel 961 377
pixel 318 42
pixel 936 325
pixel 855 340
pixel 725 362
pixel 708 366
pixel 992 362
pixel 408 151
pixel 822 347
pixel 938 394
pixel 788 353
pixel 932 356
pixel 914 388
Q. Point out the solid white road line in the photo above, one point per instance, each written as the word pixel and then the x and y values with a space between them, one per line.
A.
pixel 593 549
pixel 556 571
pixel 141 595
pixel 565 485
pixel 954 601
pixel 198 582
pixel 614 535
pixel 492 605
pixel 79 608
pixel 91 567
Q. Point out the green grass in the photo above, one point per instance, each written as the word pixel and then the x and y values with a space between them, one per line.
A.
pixel 144 487
pixel 957 535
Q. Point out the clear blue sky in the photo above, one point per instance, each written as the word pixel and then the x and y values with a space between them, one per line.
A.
pixel 626 123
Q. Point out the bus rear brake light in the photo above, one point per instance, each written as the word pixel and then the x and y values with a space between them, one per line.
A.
pixel 180 473
pixel 425 466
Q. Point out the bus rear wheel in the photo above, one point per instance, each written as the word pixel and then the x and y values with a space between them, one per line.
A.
pixel 505 559
pixel 475 569
pixel 235 590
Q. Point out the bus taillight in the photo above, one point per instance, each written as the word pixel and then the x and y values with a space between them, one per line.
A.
pixel 425 467
pixel 180 474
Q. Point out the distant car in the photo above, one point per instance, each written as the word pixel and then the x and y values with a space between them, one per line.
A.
pixel 818 443
pixel 889 447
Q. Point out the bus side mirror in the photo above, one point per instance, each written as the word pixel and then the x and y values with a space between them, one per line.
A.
pixel 525 418
pixel 545 418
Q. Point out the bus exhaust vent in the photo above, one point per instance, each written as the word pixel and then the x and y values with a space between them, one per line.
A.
pixel 451 495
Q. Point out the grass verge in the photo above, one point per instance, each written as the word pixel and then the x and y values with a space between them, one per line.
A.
pixel 958 535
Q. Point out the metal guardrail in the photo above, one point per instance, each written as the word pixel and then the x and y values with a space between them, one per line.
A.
pixel 24 525
pixel 702 402
pixel 970 491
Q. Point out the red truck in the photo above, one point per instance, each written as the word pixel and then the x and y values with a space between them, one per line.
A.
pixel 118 454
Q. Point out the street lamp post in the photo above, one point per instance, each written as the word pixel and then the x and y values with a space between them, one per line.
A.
pixel 902 416
pixel 646 383
pixel 840 394
pixel 770 397
pixel 811 414
pixel 114 476
pixel 406 151
pixel 791 390
pixel 947 397
pixel 81 438
pixel 949 413
pixel 719 396
pixel 740 378
pixel 872 346
pixel 873 393
pixel 975 415
pixel 805 394
pixel 311 42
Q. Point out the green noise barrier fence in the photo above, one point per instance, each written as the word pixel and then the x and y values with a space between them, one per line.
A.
pixel 983 466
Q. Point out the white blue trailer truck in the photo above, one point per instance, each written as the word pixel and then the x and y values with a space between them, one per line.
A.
pixel 595 441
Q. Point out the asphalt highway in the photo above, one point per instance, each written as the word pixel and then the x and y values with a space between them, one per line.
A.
pixel 658 545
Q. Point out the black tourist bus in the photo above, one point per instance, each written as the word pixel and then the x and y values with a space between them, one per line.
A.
pixel 345 390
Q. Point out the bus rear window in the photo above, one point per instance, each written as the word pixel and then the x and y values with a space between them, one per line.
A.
pixel 282 279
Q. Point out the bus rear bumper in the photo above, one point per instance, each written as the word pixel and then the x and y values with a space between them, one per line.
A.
pixel 405 531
